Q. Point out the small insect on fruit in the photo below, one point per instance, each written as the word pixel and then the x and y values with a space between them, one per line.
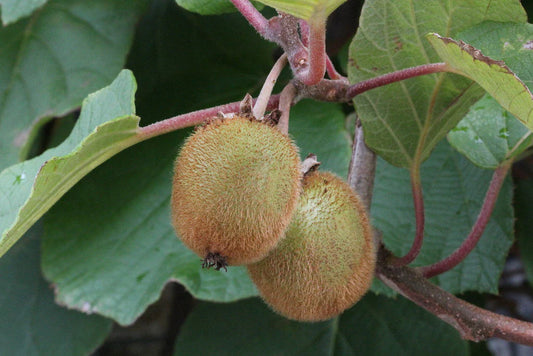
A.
pixel 236 184
pixel 326 261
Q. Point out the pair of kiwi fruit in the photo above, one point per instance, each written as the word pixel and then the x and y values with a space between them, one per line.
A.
pixel 239 198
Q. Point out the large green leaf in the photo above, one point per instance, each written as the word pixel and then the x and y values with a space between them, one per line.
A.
pixel 28 189
pixel 31 323
pixel 305 9
pixel 454 190
pixel 489 135
pixel 52 60
pixel 494 76
pixel 374 326
pixel 12 10
pixel 404 121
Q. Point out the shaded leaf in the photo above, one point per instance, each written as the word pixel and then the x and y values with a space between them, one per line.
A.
pixel 305 9
pixel 319 128
pixel 489 135
pixel 31 323
pixel 404 121
pixel 374 326
pixel 377 325
pixel 12 10
pixel 106 126
pixel 524 223
pixel 494 76
pixel 54 59
pixel 454 190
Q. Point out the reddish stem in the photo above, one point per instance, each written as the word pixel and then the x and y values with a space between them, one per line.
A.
pixel 254 17
pixel 418 200
pixel 314 71
pixel 332 72
pixel 397 76
pixel 194 118
pixel 477 230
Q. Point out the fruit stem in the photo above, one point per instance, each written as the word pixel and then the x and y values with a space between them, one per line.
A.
pixel 418 200
pixel 397 76
pixel 254 17
pixel 477 230
pixel 263 97
pixel 194 118
pixel 286 99
pixel 472 322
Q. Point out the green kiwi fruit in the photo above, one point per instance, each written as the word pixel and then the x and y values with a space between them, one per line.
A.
pixel 326 261
pixel 236 184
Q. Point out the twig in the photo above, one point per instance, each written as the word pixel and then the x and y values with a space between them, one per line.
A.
pixel 266 90
pixel 314 71
pixel 477 230
pixel 362 168
pixel 472 322
pixel 286 100
pixel 397 76
pixel 193 118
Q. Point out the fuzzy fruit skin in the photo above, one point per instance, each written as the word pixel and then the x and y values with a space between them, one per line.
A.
pixel 236 184
pixel 325 264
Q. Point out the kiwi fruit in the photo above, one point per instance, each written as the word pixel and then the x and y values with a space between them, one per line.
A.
pixel 326 261
pixel 235 187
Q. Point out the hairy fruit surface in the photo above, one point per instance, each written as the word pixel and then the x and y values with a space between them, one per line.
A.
pixel 236 184
pixel 326 261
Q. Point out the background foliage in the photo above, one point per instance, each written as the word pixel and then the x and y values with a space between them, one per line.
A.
pixel 107 248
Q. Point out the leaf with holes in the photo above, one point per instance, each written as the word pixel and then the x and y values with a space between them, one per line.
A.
pixel 489 135
pixel 494 76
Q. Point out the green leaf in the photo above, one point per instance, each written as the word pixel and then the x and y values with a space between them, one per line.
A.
pixel 305 9
pixel 54 59
pixel 31 323
pixel 377 325
pixel 494 76
pixel 106 126
pixel 209 7
pixel 404 121
pixel 507 42
pixel 12 10
pixel 454 190
pixel 524 223
pixel 374 326
pixel 489 135
pixel 319 128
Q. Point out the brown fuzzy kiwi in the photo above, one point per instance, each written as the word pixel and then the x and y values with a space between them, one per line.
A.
pixel 326 261
pixel 236 184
